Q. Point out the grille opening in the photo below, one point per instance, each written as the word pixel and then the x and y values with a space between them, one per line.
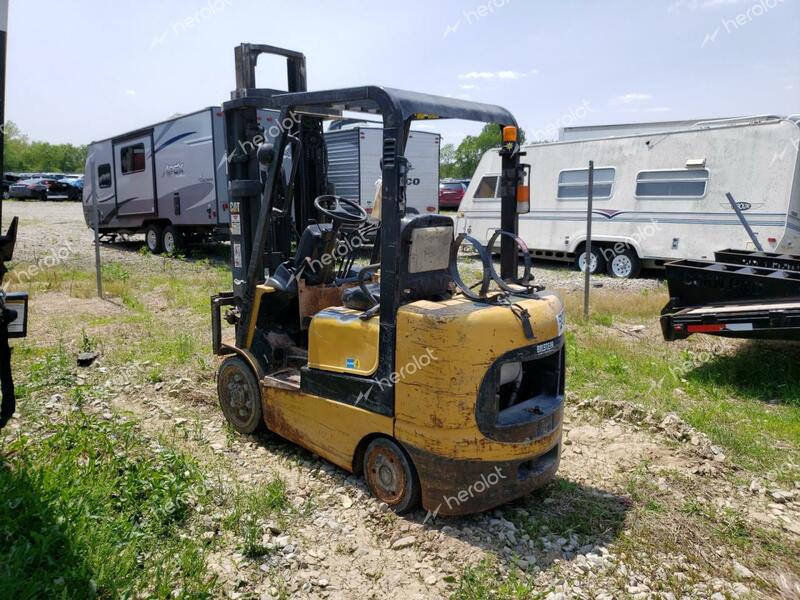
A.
pixel 528 389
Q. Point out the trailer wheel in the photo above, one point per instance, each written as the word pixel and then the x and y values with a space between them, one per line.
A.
pixel 154 239
pixel 597 262
pixel 172 240
pixel 391 476
pixel 624 265
pixel 239 395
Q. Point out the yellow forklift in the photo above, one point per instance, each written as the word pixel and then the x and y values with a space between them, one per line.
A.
pixel 437 391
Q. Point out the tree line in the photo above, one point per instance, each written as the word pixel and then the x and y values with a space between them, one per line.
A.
pixel 21 155
pixel 460 162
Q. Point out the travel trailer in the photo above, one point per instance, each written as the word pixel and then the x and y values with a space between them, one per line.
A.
pixel 354 166
pixel 167 181
pixel 658 196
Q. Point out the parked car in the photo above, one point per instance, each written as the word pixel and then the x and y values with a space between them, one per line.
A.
pixel 25 189
pixel 451 191
pixel 62 188
pixel 75 187
pixel 8 181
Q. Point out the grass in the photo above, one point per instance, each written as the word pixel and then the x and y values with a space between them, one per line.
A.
pixel 93 509
pixel 746 397
pixel 565 508
pixel 101 508
pixel 481 581
pixel 252 508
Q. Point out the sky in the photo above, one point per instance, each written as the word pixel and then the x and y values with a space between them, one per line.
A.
pixel 81 70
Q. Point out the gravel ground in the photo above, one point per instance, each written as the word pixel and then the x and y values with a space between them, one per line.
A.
pixel 349 546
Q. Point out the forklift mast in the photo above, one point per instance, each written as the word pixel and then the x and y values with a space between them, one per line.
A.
pixel 290 209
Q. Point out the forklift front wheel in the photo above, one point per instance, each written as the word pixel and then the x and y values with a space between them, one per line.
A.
pixel 239 395
pixel 391 475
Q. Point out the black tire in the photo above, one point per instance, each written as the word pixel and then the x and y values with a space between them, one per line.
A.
pixel 597 261
pixel 391 476
pixel 154 239
pixel 239 395
pixel 624 265
pixel 172 240
pixel 42 196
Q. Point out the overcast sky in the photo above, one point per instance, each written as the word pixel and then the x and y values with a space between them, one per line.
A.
pixel 80 70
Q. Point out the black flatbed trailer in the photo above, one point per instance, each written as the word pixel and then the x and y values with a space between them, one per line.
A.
pixel 743 294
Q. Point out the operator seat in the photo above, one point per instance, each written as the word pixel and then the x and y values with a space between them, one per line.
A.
pixel 317 240
pixel 424 273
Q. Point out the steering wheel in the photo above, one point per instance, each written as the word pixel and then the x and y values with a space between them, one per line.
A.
pixel 341 210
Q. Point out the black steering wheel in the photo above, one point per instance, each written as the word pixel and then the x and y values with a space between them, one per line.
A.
pixel 341 210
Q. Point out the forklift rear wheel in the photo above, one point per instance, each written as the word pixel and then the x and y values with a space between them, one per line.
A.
pixel 239 395
pixel 154 238
pixel 172 240
pixel 391 476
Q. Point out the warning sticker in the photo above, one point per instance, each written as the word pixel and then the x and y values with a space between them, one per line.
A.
pixel 236 224
pixel 237 256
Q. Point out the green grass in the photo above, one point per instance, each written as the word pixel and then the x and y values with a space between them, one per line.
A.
pixel 93 508
pixel 746 400
pixel 481 582
pixel 252 508
pixel 564 508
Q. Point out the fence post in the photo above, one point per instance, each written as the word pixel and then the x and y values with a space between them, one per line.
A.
pixel 96 211
pixel 588 249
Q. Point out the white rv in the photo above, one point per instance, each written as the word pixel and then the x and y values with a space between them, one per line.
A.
pixel 168 181
pixel 354 156
pixel 658 195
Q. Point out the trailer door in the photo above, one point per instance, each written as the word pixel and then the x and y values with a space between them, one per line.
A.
pixel 422 183
pixel 133 173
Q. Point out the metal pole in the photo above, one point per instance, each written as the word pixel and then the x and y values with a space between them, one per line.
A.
pixel 742 218
pixel 96 229
pixel 587 261
pixel 3 30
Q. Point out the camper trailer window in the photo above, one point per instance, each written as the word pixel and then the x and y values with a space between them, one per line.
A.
pixel 573 184
pixel 104 176
pixel 132 158
pixel 487 188
pixel 672 184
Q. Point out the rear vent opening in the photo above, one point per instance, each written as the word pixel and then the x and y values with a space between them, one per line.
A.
pixel 528 390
